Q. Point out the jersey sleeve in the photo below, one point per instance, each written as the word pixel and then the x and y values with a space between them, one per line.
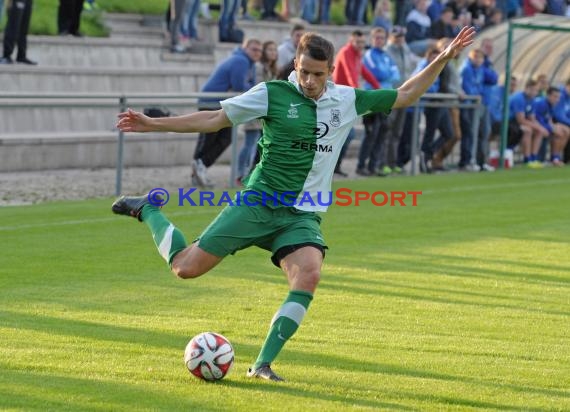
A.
pixel 374 101
pixel 248 106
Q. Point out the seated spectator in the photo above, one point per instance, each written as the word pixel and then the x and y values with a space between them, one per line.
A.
pixel 523 126
pixel 558 132
pixel 495 18
pixel 531 7
pixel 562 113
pixel 418 25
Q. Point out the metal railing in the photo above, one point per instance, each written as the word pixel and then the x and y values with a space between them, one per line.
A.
pixel 446 100
pixel 122 101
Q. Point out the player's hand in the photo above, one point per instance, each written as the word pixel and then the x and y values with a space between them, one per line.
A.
pixel 131 121
pixel 464 39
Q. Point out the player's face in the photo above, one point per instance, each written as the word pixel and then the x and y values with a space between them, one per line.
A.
pixel 312 75
pixel 554 98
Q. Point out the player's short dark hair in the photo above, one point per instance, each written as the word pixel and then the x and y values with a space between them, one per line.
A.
pixel 530 83
pixel 552 89
pixel 316 47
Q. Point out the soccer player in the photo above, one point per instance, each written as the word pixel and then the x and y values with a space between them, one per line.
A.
pixel 306 120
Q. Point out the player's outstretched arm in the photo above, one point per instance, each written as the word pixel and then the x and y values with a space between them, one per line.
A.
pixel 205 121
pixel 412 89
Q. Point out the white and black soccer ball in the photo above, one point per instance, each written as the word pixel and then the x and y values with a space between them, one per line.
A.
pixel 209 356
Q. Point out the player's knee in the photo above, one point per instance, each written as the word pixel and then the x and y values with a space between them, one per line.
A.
pixel 186 271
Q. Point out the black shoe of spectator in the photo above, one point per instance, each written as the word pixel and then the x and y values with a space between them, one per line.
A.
pixel 25 60
pixel 339 172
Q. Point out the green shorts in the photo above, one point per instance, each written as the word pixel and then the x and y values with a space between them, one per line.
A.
pixel 280 230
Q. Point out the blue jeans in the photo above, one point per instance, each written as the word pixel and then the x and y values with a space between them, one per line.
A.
pixel 325 11
pixel 190 19
pixel 247 152
pixel 228 15
pixel 308 10
pixel 437 118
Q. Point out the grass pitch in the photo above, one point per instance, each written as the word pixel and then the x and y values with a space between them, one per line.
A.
pixel 459 303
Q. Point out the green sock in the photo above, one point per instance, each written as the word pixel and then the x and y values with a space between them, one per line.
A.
pixel 283 325
pixel 168 239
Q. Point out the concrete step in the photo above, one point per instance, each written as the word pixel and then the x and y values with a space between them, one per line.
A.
pixel 110 52
pixel 65 114
pixel 43 78
pixel 93 149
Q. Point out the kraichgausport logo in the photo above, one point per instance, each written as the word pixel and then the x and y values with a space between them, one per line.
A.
pixel 340 197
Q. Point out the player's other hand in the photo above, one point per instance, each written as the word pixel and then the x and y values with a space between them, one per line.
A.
pixel 131 121
pixel 464 39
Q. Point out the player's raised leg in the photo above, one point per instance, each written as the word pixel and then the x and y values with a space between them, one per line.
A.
pixel 302 268
pixel 185 261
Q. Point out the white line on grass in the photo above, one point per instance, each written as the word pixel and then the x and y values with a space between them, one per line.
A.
pixel 498 186
pixel 87 221
pixel 205 211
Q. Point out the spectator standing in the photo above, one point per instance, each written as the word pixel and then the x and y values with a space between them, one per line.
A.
pixel 451 83
pixel 189 24
pixel 266 69
pixel 69 17
pixel 347 72
pixel 385 70
pixel 236 74
pixel 418 25
pixel 383 15
pixel 442 27
pixel 174 18
pixel 406 62
pixel 286 50
pixel 437 118
pixel 19 13
pixel 474 78
pixel 228 32
pixel 324 12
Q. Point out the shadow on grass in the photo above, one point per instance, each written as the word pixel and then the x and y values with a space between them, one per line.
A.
pixel 352 365
pixel 48 391
pixel 296 391
pixel 91 330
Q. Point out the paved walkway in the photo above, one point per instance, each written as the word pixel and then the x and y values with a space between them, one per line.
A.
pixel 21 188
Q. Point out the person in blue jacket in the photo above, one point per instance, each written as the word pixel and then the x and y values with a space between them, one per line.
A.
pixel 558 132
pixel 523 126
pixel 235 74
pixel 385 70
pixel 562 113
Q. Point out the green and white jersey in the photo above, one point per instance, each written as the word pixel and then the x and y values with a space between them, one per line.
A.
pixel 302 138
